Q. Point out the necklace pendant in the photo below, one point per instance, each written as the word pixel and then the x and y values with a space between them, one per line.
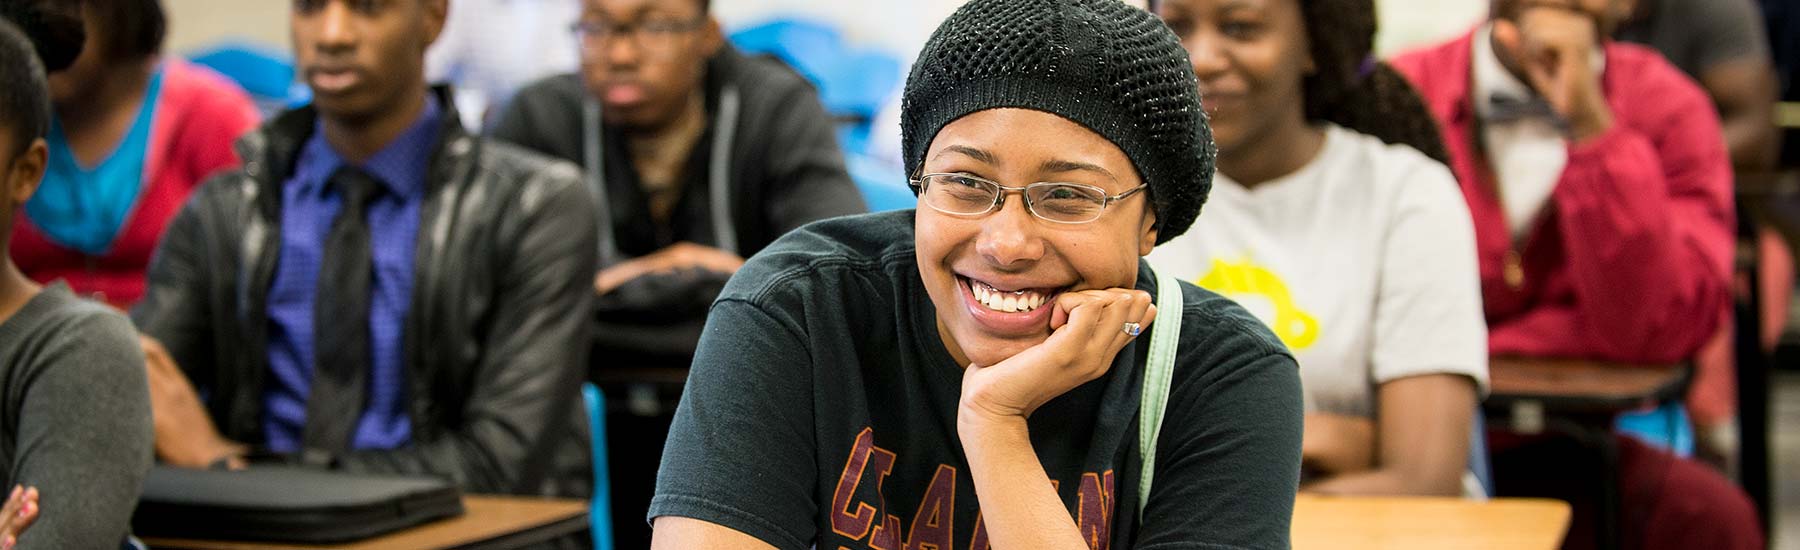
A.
pixel 1512 269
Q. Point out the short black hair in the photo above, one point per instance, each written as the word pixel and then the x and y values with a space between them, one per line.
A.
pixel 129 29
pixel 25 98
pixel 54 27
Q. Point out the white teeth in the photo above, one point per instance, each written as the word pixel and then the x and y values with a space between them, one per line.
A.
pixel 1010 302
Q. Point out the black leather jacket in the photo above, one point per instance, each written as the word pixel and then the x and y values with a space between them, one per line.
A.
pixel 496 338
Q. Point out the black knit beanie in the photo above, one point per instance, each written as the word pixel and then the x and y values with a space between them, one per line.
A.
pixel 1105 65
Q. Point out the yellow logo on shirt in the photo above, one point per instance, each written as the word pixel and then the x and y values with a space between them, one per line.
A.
pixel 1294 327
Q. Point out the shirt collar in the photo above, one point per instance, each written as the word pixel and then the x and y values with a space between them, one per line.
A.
pixel 401 166
pixel 1491 77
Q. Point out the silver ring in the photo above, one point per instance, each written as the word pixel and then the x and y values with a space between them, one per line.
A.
pixel 1133 329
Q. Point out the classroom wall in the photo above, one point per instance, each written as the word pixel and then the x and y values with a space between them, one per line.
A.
pixel 898 25
pixel 1407 23
pixel 198 23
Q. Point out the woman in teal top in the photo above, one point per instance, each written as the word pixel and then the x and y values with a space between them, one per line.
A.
pixel 134 133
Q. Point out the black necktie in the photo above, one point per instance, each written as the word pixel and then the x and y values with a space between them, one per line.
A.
pixel 341 318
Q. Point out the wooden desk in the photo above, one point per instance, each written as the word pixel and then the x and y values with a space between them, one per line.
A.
pixel 1404 523
pixel 1581 387
pixel 487 522
pixel 1581 399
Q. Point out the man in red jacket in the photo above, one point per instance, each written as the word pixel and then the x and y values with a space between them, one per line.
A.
pixel 1597 177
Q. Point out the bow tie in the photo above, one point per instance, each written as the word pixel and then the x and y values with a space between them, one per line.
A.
pixel 1504 109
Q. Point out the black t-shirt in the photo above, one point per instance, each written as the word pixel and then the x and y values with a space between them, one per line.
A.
pixel 821 412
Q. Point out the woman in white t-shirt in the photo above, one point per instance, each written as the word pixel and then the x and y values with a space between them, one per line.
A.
pixel 1334 220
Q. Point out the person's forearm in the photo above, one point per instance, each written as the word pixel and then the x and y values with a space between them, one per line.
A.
pixel 1336 444
pixel 1750 137
pixel 1648 251
pixel 1745 91
pixel 1019 506
pixel 204 452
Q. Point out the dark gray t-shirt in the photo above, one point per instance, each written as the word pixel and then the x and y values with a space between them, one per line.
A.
pixel 1697 34
pixel 74 418
pixel 821 412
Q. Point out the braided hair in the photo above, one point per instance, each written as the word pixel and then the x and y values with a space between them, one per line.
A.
pixel 1350 88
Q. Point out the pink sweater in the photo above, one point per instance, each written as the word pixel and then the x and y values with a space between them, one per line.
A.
pixel 198 115
pixel 1633 261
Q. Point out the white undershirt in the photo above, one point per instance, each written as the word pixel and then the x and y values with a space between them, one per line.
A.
pixel 1528 155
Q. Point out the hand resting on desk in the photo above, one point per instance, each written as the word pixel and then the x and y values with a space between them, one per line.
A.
pixel 675 257
pixel 185 435
pixel 1333 444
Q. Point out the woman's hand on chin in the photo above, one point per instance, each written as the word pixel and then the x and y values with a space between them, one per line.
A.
pixel 1086 330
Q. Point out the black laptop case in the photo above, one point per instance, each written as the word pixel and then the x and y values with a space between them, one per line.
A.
pixel 285 504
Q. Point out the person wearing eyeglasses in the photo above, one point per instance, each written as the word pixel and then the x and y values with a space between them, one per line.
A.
pixel 1599 184
pixel 979 372
pixel 701 156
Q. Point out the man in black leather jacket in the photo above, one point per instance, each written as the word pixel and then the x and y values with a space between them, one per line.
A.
pixel 489 340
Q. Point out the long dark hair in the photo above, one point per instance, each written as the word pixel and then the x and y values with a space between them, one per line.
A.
pixel 1351 88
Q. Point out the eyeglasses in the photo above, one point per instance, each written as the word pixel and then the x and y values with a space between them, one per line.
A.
pixel 658 35
pixel 965 195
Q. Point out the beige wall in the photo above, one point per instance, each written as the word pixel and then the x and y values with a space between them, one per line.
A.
pixel 1407 23
pixel 197 23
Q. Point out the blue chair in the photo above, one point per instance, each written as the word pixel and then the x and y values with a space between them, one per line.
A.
pixel 853 83
pixel 1478 452
pixel 1666 427
pixel 266 73
pixel 600 509
pixel 810 47
pixel 882 186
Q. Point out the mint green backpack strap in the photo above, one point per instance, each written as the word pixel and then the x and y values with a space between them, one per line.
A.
pixel 1165 334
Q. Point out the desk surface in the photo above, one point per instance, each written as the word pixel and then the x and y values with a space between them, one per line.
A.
pixel 1405 523
pixel 1574 384
pixel 485 519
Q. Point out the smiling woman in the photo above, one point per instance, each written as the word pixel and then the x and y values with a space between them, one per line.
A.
pixel 1335 220
pixel 966 375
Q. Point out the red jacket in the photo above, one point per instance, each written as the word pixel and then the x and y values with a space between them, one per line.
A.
pixel 1632 260
pixel 198 115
